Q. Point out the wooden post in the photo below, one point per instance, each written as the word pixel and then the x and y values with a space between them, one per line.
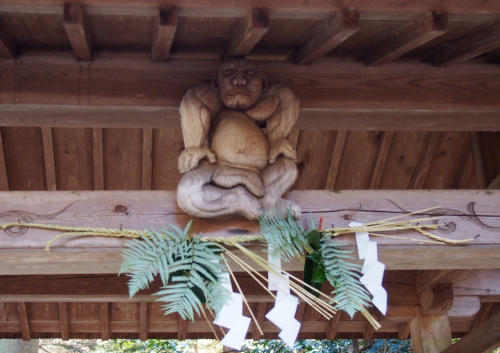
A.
pixel 430 334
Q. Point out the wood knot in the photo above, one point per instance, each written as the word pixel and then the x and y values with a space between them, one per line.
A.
pixel 120 209
pixel 347 217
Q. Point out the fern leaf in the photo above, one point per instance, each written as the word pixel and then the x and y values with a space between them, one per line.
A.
pixel 344 276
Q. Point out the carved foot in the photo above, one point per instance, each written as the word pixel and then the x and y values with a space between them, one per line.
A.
pixel 271 205
pixel 229 177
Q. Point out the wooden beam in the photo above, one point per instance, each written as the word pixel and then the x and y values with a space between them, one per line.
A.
pixel 147 158
pixel 181 332
pixel 469 46
pixel 98 159
pixel 63 318
pixel 424 166
pixel 430 334
pixel 4 179
pixel 328 35
pixel 415 34
pixel 24 321
pixel 483 314
pixel 104 328
pixel 404 331
pixel 261 313
pixel 48 152
pixel 482 339
pixel 143 321
pixel 164 34
pixel 248 32
pixel 379 165
pixel 369 329
pixel 75 24
pixel 338 151
pixel 394 104
pixel 301 310
pixel 333 326
pixel 146 209
pixel 8 48
pixel 477 158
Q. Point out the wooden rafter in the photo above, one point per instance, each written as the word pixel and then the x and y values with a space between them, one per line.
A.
pixel 415 34
pixel 338 150
pixel 328 35
pixel 182 329
pixel 404 331
pixel 4 179
pixel 261 312
pixel 147 158
pixel 63 318
pixel 104 324
pixel 379 165
pixel 471 45
pixel 424 165
pixel 248 33
pixel 98 159
pixel 495 184
pixel 333 326
pixel 477 158
pixel 164 34
pixel 75 24
pixel 48 152
pixel 24 321
pixel 143 321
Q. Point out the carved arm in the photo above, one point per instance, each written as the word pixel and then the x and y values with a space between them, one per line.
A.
pixel 198 107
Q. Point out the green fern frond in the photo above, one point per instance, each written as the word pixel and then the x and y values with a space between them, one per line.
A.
pixel 189 270
pixel 286 237
pixel 344 276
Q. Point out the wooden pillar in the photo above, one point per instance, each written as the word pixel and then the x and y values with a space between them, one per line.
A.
pixel 430 334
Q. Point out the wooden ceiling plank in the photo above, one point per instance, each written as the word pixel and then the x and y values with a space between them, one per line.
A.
pixel 415 34
pixel 48 152
pixel 63 318
pixel 261 313
pixel 248 32
pixel 98 159
pixel 338 151
pixel 484 338
pixel 24 321
pixel 423 169
pixel 4 179
pixel 8 48
pixel 333 326
pixel 75 23
pixel 147 158
pixel 143 321
pixel 164 34
pixel 477 157
pixel 104 316
pixel 379 165
pixel 476 43
pixel 182 330
pixel 328 35
pixel 466 173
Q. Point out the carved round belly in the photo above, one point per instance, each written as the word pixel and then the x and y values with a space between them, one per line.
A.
pixel 240 143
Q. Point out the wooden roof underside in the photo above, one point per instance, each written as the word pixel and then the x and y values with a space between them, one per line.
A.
pixel 404 125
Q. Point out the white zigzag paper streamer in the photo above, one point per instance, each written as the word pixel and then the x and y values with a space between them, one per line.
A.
pixel 373 270
pixel 283 313
pixel 231 317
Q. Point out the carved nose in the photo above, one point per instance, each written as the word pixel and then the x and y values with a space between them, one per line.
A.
pixel 240 80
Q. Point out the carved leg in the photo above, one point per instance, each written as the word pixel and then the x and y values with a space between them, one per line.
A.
pixel 229 177
pixel 197 197
pixel 278 178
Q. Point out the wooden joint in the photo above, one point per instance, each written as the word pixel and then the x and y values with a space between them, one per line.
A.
pixel 75 24
pixel 165 32
pixel 437 299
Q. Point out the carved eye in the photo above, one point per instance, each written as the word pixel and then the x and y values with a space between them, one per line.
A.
pixel 228 72
pixel 251 72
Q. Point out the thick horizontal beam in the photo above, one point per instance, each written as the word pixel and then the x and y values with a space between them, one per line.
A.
pixel 95 116
pixel 348 96
pixel 466 214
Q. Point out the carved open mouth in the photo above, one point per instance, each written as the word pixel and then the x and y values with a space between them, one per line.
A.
pixel 237 92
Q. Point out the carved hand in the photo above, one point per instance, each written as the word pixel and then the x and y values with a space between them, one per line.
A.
pixel 281 146
pixel 191 156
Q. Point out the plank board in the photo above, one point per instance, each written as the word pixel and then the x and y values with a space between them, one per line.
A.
pixel 467 214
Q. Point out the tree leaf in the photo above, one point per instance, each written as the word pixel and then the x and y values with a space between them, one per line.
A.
pixel 319 275
pixel 314 238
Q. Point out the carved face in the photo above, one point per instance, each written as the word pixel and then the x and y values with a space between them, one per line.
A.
pixel 240 82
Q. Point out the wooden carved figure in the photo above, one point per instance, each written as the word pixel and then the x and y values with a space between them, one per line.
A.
pixel 237 159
